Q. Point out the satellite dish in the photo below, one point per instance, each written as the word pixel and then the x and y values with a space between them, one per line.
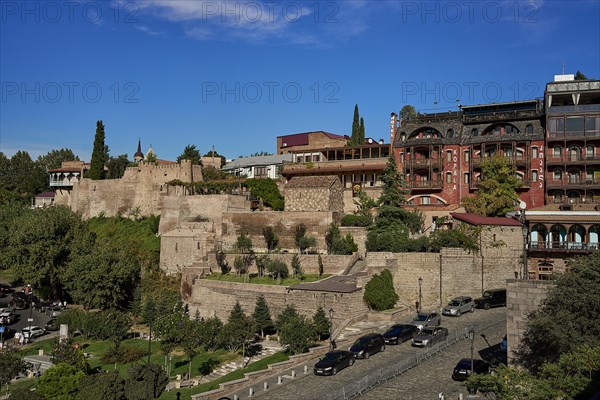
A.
pixel 522 205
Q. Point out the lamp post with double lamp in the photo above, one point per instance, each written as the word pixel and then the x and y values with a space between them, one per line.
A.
pixel 420 295
pixel 472 338
pixel 331 345
pixel 523 206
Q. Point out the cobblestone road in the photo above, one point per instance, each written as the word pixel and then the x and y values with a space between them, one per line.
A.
pixel 425 381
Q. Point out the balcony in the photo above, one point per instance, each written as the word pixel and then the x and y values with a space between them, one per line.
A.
pixel 573 158
pixel 525 184
pixel 573 182
pixel 431 185
pixel 563 246
pixel 515 160
pixel 573 135
pixel 315 168
pixel 66 182
pixel 423 163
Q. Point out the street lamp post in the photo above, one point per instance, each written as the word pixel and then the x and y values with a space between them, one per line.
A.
pixel 331 346
pixel 522 206
pixel 472 338
pixel 420 294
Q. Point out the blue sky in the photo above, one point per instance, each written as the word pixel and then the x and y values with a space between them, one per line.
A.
pixel 236 74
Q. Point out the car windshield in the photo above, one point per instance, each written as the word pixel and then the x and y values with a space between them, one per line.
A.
pixel 454 303
pixel 420 317
pixel 329 357
pixel 464 364
pixel 487 295
pixel 427 332
pixel 361 341
pixel 394 329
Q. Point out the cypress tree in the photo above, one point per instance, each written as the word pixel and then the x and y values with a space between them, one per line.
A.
pixel 98 154
pixel 354 139
pixel 262 316
pixel 361 136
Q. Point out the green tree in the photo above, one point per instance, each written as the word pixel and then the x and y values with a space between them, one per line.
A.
pixel 25 394
pixel 116 166
pixel 569 302
pixel 267 191
pixel 320 261
pixel 54 158
pixel 496 195
pixel 103 386
pixel 380 293
pixel 321 323
pixel 139 379
pixel 101 276
pixel 278 269
pixel 59 382
pixel 407 113
pixel 190 153
pixel 364 204
pixel 151 157
pixel 392 193
pixel 209 333
pixel 271 238
pixel 262 316
pixel 296 266
pixel 295 331
pixel 238 330
pixel 288 313
pixel 358 135
pixel 337 244
pixel 99 157
pixel 222 262
pixel 244 246
pixel 23 177
pixel 40 245
pixel 63 352
pixel 579 76
pixel 190 340
pixel 302 241
pixel 11 365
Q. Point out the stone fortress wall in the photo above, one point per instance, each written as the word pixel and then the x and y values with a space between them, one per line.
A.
pixel 140 191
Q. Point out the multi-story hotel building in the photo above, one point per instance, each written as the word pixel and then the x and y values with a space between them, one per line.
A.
pixel 440 154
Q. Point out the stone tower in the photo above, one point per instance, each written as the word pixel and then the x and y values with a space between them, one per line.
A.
pixel 138 156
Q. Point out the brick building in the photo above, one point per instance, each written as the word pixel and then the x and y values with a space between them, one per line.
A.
pixel 440 154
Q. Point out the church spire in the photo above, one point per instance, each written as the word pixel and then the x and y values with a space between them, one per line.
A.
pixel 138 156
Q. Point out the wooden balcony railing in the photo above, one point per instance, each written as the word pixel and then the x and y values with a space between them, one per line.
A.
pixel 573 182
pixel 437 184
pixel 563 246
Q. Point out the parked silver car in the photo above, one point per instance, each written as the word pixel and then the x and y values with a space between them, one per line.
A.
pixel 424 320
pixel 459 305
pixel 32 332
pixel 429 336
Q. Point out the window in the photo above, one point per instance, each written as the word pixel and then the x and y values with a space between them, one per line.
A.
pixel 448 177
pixel 474 132
pixel 556 151
pixel 592 123
pixel 260 171
pixel 467 180
pixel 575 124
pixel 529 129
pixel 590 151
pixel 534 176
pixel 449 156
pixel 557 174
pixel 425 200
pixel 450 133
pixel 534 152
pixel 467 155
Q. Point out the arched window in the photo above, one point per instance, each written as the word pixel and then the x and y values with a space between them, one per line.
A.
pixel 474 132
pixel 534 176
pixel 590 151
pixel 467 155
pixel 574 153
pixel 448 177
pixel 450 133
pixel 557 174
pixel 529 129
pixel 556 152
pixel 557 197
pixel 449 155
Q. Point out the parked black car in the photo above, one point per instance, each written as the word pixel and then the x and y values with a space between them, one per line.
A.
pixel 492 298
pixel 399 333
pixel 334 361
pixel 6 288
pixel 367 345
pixel 463 369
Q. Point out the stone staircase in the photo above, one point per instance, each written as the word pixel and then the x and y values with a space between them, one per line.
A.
pixel 39 363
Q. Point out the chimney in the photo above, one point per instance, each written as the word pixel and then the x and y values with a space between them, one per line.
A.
pixel 380 141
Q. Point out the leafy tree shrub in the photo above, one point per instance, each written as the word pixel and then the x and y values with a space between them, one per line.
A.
pixel 208 366
pixel 320 260
pixel 65 353
pixel 238 330
pixel 267 191
pixel 295 331
pixel 356 220
pixel 209 333
pixel 271 238
pixel 569 302
pixel 59 382
pixel 278 269
pixel 262 316
pixel 101 386
pixel 321 323
pixel 380 293
pixel 123 355
pixel 222 262
pixel 11 365
pixel 135 384
pixel 296 266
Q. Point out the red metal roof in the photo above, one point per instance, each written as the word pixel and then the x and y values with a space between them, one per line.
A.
pixel 301 139
pixel 46 194
pixel 73 169
pixel 476 219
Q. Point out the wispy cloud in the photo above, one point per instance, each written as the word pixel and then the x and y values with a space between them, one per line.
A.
pixel 149 31
pixel 295 22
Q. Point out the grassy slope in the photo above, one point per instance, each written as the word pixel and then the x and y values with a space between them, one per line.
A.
pixel 123 230
pixel 265 280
